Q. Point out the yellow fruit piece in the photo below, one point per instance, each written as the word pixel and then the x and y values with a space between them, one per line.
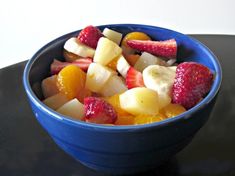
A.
pixel 140 100
pixel 56 101
pixel 146 119
pixel 172 110
pixel 106 51
pixel 115 102
pixel 134 36
pixel 70 80
pixel 125 120
pixel 49 87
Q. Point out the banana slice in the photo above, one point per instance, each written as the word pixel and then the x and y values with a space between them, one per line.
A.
pixel 160 79
pixel 72 45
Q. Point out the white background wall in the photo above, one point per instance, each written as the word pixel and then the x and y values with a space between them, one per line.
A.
pixel 26 25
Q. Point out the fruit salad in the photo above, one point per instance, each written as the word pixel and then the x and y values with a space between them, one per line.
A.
pixel 109 78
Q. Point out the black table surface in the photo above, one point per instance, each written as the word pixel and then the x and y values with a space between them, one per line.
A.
pixel 26 149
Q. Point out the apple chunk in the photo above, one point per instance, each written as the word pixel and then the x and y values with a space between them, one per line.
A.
pixel 49 87
pixel 73 109
pixel 122 66
pixel 56 101
pixel 114 85
pixel 106 51
pixel 97 76
pixel 147 59
pixel 140 100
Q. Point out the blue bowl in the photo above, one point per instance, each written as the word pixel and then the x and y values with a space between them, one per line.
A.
pixel 122 149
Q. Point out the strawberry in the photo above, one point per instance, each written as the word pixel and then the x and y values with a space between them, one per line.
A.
pixel 99 111
pixel 90 36
pixel 192 82
pixel 167 48
pixel 134 78
pixel 83 63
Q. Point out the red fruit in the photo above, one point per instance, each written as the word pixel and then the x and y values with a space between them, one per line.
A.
pixel 134 78
pixel 83 63
pixel 99 111
pixel 167 48
pixel 192 82
pixel 90 36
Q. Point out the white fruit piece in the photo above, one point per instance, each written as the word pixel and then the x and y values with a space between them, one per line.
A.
pixel 122 66
pixel 173 68
pixel 171 62
pixel 115 85
pixel 140 100
pixel 112 35
pixel 56 101
pixel 73 109
pixel 106 51
pixel 72 45
pixel 147 59
pixel 160 79
pixel 49 87
pixel 97 75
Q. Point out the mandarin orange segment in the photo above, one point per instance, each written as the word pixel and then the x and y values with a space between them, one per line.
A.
pixel 125 120
pixel 146 119
pixel 132 58
pixel 113 64
pixel 172 110
pixel 134 36
pixel 115 102
pixel 70 80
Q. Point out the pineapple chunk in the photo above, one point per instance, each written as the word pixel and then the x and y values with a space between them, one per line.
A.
pixel 122 66
pixel 147 59
pixel 115 102
pixel 74 46
pixel 113 35
pixel 97 76
pixel 106 51
pixel 56 101
pixel 49 87
pixel 140 100
pixel 73 109
pixel 114 85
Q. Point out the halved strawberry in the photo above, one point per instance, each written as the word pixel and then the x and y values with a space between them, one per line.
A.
pixel 192 82
pixel 134 78
pixel 99 111
pixel 166 48
pixel 83 63
pixel 90 36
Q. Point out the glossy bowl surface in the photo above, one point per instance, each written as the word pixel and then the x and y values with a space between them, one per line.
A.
pixel 122 149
